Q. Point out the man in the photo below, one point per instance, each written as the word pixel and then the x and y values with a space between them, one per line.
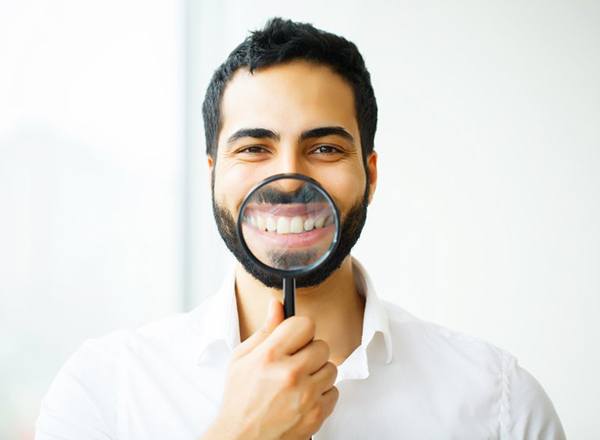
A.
pixel 294 99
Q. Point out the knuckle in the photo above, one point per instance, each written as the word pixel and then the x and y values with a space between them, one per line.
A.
pixel 323 347
pixel 331 370
pixel 291 377
pixel 334 368
pixel 269 355
pixel 316 416
pixel 306 324
pixel 334 395
pixel 306 399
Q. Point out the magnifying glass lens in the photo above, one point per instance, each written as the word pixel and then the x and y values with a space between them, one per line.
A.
pixel 288 224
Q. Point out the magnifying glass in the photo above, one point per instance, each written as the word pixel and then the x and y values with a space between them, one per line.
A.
pixel 289 226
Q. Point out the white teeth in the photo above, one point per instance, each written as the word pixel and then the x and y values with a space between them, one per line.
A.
pixel 296 225
pixel 287 225
pixel 283 225
pixel 319 222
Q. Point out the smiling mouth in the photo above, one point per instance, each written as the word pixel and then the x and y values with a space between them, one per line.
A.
pixel 289 218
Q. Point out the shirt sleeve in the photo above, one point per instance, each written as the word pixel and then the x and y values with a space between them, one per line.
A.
pixel 81 403
pixel 528 412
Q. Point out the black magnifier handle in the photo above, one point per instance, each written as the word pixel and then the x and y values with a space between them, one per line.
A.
pixel 289 297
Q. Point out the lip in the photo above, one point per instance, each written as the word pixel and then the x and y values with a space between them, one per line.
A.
pixel 274 240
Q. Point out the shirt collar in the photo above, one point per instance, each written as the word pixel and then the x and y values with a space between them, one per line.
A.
pixel 217 322
pixel 216 319
pixel 375 319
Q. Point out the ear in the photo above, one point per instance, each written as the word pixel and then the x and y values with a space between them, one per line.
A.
pixel 372 171
pixel 211 167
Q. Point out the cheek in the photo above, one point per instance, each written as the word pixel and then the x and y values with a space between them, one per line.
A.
pixel 232 184
pixel 345 183
pixel 347 188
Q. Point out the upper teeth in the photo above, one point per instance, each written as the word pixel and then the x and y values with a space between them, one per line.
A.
pixel 271 224
pixel 283 225
pixel 319 221
pixel 289 225
pixel 296 225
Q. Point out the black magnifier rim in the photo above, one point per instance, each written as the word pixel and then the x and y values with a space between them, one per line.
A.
pixel 296 272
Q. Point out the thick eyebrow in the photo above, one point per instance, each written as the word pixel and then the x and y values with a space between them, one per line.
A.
pixel 263 133
pixel 326 131
pixel 258 133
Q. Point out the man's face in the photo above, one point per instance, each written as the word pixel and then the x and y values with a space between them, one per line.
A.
pixel 290 118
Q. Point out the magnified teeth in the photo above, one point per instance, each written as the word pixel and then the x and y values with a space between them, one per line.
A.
pixel 271 224
pixel 296 225
pixel 289 225
pixel 309 224
pixel 319 222
pixel 283 225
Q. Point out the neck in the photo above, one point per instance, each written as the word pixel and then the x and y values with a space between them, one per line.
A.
pixel 335 305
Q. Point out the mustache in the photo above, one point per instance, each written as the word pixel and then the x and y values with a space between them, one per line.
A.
pixel 304 194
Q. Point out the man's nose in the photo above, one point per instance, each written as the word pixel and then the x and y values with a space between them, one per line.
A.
pixel 289 185
pixel 291 162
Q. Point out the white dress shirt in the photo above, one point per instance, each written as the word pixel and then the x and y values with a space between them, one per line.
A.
pixel 409 379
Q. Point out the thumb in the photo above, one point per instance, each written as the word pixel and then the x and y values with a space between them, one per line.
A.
pixel 274 317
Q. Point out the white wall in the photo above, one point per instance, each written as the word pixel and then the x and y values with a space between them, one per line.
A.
pixel 91 149
pixel 489 144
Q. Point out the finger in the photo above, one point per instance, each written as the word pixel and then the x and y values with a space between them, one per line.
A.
pixel 314 419
pixel 324 379
pixel 291 335
pixel 329 400
pixel 274 317
pixel 311 357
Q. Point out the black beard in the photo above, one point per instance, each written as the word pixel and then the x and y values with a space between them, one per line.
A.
pixel 351 229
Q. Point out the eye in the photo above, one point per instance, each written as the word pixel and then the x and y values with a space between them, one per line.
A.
pixel 326 149
pixel 253 149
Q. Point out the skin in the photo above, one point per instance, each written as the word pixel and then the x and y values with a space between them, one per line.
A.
pixel 289 100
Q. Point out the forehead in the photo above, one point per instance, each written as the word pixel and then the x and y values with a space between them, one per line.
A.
pixel 287 98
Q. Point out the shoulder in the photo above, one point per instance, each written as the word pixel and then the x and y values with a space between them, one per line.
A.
pixel 430 339
pixel 491 373
pixel 174 331
pixel 172 335
pixel 97 359
pixel 84 397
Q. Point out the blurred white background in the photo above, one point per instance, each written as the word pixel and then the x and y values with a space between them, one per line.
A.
pixel 485 220
pixel 91 187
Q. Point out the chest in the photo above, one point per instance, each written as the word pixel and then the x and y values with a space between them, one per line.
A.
pixel 167 400
pixel 370 410
pixel 163 397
